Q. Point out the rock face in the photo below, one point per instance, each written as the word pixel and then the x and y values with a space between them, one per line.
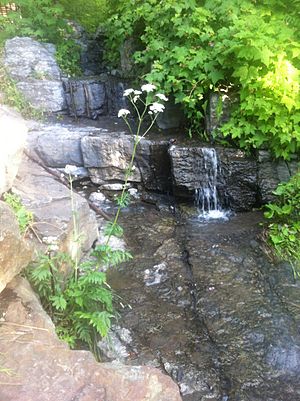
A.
pixel 43 368
pixel 234 173
pixel 238 179
pixel 15 252
pixel 50 202
pixel 107 157
pixel 104 152
pixel 58 145
pixel 271 173
pixel 172 117
pixel 32 65
pixel 34 68
pixel 12 140
pixel 85 97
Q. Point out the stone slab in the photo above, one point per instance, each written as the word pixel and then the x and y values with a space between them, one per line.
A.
pixel 50 201
pixel 42 368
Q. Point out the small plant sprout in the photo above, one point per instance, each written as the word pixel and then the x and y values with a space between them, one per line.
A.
pixel 143 106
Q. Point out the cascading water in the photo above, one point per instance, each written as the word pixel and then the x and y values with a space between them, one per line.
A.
pixel 206 196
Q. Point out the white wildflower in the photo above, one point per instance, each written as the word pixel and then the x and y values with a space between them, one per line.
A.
pixel 123 113
pixel 161 96
pixel 156 107
pixel 148 88
pixel 137 93
pixel 135 99
pixel 128 92
pixel 70 169
pixel 52 243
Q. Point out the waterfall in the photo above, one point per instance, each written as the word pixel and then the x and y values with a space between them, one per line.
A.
pixel 206 196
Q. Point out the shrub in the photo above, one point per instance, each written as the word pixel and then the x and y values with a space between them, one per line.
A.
pixel 45 21
pixel 81 305
pixel 284 229
pixel 24 216
pixel 190 48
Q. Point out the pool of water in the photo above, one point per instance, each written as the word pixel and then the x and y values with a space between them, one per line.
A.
pixel 201 301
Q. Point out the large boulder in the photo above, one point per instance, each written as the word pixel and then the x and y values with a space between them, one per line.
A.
pixel 44 369
pixel 15 251
pixel 59 144
pixel 51 203
pixel 33 66
pixel 12 140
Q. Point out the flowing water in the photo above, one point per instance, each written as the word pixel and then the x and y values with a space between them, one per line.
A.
pixel 201 301
pixel 206 196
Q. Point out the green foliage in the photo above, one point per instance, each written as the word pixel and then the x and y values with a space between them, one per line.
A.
pixel 81 305
pixel 40 19
pixel 284 229
pixel 45 21
pixel 190 48
pixel 68 57
pixel 24 217
pixel 89 13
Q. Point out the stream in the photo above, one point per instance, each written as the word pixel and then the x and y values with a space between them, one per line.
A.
pixel 201 301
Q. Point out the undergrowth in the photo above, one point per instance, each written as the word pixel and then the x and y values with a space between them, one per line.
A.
pixel 284 226
pixel 23 216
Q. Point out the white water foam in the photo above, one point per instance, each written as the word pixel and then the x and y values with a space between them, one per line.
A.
pixel 206 197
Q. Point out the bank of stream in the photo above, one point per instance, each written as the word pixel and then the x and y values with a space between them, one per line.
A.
pixel 204 303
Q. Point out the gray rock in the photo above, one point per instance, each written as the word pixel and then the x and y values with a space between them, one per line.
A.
pixel 50 202
pixel 99 199
pixel 86 97
pixel 76 173
pixel 107 157
pixel 127 50
pixel 284 357
pixel 113 187
pixel 114 92
pixel 92 45
pixel 271 173
pixel 26 58
pixel 15 251
pixel 58 145
pixel 33 66
pixel 172 117
pixel 12 141
pixel 45 95
pixel 238 179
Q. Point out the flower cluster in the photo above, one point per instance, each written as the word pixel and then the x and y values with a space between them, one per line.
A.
pixel 152 107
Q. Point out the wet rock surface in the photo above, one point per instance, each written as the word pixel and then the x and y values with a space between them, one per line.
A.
pixel 85 97
pixel 202 303
pixel 236 174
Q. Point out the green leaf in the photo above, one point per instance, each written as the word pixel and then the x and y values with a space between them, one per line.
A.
pixel 59 302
